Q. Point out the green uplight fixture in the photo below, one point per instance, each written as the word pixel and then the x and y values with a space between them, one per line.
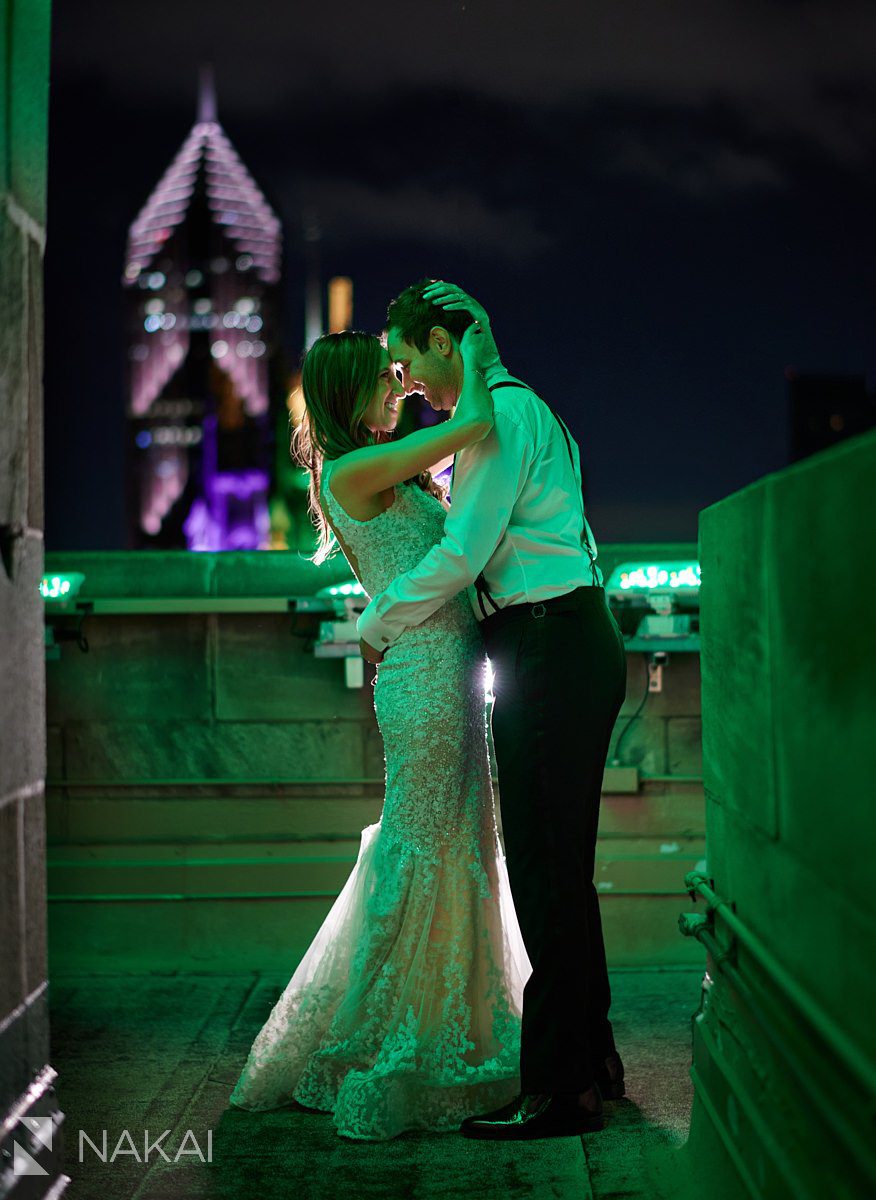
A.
pixel 644 577
pixel 61 589
pixel 353 588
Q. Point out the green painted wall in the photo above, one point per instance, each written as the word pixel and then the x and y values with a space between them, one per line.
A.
pixel 24 38
pixel 785 1049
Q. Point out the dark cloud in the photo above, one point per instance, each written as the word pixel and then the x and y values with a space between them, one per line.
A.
pixel 697 168
pixel 784 68
pixel 348 210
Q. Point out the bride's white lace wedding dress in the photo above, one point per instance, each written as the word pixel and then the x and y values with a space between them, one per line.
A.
pixel 404 1012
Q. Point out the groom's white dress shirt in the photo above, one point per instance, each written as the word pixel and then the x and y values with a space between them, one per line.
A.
pixel 515 514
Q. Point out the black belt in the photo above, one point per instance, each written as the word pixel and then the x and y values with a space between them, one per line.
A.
pixel 568 602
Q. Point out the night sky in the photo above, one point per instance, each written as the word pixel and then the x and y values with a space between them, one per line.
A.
pixel 663 206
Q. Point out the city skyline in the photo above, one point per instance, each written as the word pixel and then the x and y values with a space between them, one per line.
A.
pixel 657 241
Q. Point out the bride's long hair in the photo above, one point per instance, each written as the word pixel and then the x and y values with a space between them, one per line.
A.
pixel 338 379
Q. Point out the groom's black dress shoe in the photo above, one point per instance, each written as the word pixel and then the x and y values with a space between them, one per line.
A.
pixel 539 1116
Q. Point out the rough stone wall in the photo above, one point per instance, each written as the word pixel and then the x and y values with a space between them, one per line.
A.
pixel 25 1076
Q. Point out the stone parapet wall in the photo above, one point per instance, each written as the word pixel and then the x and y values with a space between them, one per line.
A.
pixel 212 758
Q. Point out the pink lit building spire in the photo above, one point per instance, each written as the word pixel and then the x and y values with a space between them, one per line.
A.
pixel 206 96
pixel 235 200
pixel 202 263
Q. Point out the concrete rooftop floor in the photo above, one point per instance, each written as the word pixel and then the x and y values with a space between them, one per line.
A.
pixel 163 1051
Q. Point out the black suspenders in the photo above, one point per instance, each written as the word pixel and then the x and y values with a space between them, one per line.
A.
pixel 480 583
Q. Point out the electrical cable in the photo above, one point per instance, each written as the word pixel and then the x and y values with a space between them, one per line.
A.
pixel 615 760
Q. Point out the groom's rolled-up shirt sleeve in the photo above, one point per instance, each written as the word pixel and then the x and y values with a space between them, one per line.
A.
pixel 487 480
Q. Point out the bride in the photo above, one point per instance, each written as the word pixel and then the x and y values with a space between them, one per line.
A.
pixel 404 1013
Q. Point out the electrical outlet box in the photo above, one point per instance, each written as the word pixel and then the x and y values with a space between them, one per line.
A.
pixel 655 677
pixel 621 780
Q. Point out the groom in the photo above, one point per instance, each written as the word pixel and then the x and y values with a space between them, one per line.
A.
pixel 517 538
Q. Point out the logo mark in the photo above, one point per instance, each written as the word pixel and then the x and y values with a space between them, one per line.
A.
pixel 41 1130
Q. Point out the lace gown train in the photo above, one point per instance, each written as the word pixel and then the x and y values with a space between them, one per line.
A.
pixel 404 1012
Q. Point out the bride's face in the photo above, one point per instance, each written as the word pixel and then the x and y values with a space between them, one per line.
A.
pixel 381 415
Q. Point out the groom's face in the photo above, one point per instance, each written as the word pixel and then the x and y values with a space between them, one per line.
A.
pixel 435 371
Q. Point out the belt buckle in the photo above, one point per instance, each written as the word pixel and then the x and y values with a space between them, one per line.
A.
pixel 535 610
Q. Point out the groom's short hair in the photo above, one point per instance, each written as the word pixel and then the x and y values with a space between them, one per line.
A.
pixel 414 317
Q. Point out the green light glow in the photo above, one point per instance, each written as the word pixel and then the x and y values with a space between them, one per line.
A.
pixel 649 577
pixel 353 588
pixel 61 587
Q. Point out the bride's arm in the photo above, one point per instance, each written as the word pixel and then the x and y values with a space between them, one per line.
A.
pixel 364 473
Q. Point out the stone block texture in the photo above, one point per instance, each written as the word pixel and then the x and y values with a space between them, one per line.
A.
pixel 24 1031
pixel 213 758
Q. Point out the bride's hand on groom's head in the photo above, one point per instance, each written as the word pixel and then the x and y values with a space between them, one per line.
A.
pixel 454 299
pixel 478 347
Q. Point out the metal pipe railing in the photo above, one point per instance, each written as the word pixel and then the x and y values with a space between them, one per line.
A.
pixel 855 1138
pixel 834 1037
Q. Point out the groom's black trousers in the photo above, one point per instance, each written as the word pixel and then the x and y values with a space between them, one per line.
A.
pixel 559 682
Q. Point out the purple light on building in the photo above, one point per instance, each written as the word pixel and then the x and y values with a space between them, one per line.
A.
pixel 235 519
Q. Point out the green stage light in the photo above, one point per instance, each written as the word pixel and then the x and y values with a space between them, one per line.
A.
pixel 61 587
pixel 353 588
pixel 644 577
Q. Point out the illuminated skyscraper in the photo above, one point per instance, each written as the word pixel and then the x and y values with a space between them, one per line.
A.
pixel 201 274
